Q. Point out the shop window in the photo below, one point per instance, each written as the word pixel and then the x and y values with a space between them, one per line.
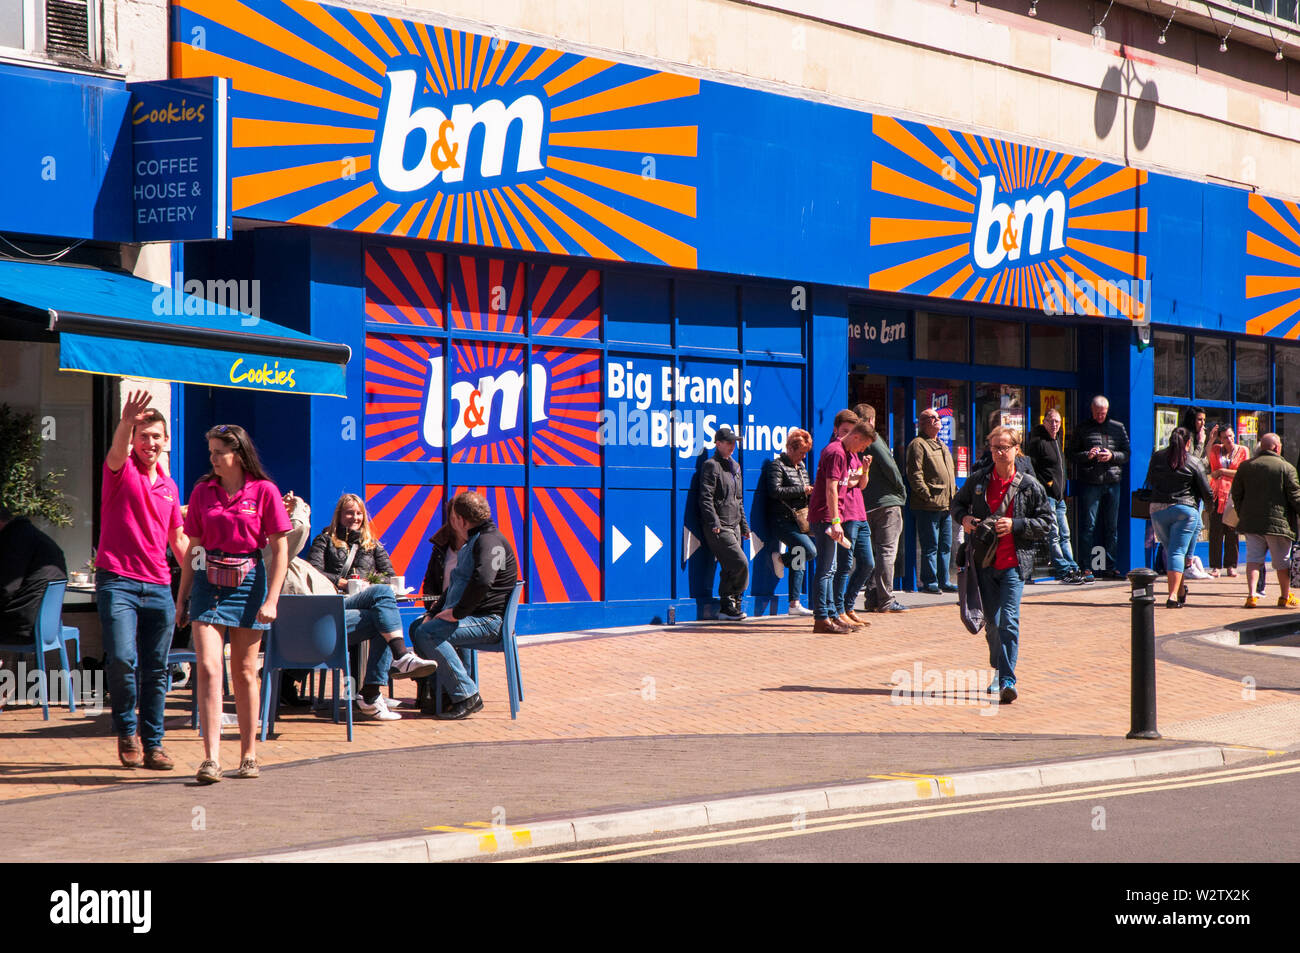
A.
pixel 1287 361
pixel 1171 363
pixel 942 337
pixel 1288 428
pixel 950 399
pixel 1051 348
pixel 998 405
pixel 1001 343
pixel 1251 425
pixel 1212 369
pixel 1252 372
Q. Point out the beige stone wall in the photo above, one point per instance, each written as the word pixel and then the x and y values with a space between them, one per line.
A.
pixel 969 66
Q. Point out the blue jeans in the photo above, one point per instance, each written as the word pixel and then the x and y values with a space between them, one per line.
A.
pixel 935 531
pixel 438 638
pixel 137 619
pixel 1177 528
pixel 823 590
pixel 1000 591
pixel 854 570
pixel 1099 517
pixel 367 615
pixel 801 554
pixel 1062 555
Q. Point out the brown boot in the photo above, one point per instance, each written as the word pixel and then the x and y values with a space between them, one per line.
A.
pixel 130 752
pixel 855 619
pixel 843 622
pixel 829 627
pixel 155 759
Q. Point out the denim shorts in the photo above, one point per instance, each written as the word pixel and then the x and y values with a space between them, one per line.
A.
pixel 219 605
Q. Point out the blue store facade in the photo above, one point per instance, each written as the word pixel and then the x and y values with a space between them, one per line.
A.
pixel 558 276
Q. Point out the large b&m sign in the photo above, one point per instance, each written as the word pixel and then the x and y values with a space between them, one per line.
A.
pixel 346 119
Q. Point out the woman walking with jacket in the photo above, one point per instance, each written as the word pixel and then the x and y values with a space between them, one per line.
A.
pixel 786 490
pixel 1177 485
pixel 1027 520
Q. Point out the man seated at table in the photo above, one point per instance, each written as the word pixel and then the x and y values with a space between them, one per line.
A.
pixel 472 609
pixel 29 561
pixel 369 614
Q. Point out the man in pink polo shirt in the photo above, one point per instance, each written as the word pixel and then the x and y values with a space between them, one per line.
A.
pixel 140 516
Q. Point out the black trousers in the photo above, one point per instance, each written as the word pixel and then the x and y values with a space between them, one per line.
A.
pixel 726 547
pixel 1223 543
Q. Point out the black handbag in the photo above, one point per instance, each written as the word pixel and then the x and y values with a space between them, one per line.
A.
pixel 984 539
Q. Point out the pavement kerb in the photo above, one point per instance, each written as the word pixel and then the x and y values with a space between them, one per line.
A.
pixel 679 817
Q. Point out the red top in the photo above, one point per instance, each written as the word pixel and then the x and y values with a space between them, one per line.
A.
pixel 136 519
pixel 997 488
pixel 851 505
pixel 239 523
pixel 833 465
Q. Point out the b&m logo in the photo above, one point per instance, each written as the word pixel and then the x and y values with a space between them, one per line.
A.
pixel 485 404
pixel 1019 229
pixel 484 138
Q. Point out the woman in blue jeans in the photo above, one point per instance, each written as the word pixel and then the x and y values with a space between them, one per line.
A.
pixel 1178 487
pixel 786 491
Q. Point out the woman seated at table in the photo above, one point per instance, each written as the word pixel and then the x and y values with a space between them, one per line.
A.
pixel 349 545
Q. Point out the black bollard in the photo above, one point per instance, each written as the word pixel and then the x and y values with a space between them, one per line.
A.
pixel 1142 703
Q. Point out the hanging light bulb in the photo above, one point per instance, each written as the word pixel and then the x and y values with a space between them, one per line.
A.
pixel 1033 8
pixel 1161 38
pixel 1278 55
pixel 1223 46
pixel 1098 34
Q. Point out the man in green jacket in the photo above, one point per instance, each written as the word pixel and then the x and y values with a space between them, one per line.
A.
pixel 884 498
pixel 1266 494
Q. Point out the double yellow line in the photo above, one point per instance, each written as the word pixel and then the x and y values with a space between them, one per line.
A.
pixel 844 822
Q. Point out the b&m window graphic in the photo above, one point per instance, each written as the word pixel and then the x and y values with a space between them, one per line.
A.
pixel 369 123
pixel 404 287
pixel 977 219
pixel 485 295
pixel 1273 267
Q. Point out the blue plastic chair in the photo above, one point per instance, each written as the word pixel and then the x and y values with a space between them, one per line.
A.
pixel 506 645
pixel 51 635
pixel 308 633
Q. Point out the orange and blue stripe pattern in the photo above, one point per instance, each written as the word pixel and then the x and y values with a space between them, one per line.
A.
pixel 314 88
pixel 566 545
pixel 397 392
pixel 929 194
pixel 1273 267
pixel 569 436
pixel 404 517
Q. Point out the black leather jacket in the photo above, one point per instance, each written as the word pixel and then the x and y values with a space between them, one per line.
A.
pixel 1109 435
pixel 785 487
pixel 1182 486
pixel 721 496
pixel 1048 460
pixel 329 559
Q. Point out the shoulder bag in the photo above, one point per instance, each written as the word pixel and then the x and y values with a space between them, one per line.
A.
pixel 985 537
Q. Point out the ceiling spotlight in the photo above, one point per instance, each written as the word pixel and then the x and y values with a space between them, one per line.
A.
pixel 1223 46
pixel 1033 8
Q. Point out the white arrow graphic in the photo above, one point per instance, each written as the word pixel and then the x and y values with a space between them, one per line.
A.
pixel 620 542
pixel 689 544
pixel 652 544
pixel 755 545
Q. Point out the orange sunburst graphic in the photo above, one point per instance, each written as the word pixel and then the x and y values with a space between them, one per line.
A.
pixel 978 219
pixel 1273 267
pixel 346 119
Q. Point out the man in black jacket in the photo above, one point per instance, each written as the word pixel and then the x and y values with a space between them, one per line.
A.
pixel 473 607
pixel 29 561
pixel 1044 451
pixel 1099 451
pixel 722 519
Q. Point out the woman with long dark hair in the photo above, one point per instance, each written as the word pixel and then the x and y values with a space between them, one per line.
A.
pixel 1178 486
pixel 234 511
pixel 1226 455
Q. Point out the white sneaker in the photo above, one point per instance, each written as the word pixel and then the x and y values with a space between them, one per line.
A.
pixel 797 609
pixel 778 567
pixel 411 665
pixel 378 711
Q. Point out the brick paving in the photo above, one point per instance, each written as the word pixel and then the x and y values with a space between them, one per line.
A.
pixel 762 677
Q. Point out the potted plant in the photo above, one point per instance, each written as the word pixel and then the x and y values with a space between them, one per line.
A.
pixel 23 490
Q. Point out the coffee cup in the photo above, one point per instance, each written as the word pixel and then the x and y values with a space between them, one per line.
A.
pixel 398 583
pixel 355 586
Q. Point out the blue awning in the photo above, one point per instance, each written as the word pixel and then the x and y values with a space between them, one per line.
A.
pixel 111 323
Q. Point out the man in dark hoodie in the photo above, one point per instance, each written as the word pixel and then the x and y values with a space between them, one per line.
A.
pixel 474 604
pixel 1044 451
pixel 722 519
pixel 29 561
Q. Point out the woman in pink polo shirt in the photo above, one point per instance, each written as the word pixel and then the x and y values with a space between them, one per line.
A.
pixel 233 512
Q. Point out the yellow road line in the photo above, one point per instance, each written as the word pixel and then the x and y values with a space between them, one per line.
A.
pixel 917 811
